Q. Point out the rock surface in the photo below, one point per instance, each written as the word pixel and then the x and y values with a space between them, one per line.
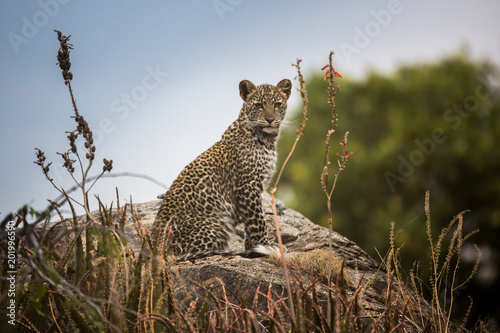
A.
pixel 243 276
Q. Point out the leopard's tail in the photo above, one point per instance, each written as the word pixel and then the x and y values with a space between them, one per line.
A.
pixel 255 252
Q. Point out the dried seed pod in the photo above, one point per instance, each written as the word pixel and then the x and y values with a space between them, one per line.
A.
pixel 108 165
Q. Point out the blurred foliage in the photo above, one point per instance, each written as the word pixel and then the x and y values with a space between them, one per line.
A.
pixel 433 126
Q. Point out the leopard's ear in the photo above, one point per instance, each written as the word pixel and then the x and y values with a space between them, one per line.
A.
pixel 285 86
pixel 246 89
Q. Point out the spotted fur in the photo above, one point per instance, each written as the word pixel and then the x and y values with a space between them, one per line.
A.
pixel 223 186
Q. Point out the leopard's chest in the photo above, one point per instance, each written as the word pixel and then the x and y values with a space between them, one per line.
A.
pixel 268 160
pixel 257 164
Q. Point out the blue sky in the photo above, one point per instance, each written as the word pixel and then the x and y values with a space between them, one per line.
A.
pixel 158 80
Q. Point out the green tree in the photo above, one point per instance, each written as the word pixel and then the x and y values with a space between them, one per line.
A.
pixel 432 126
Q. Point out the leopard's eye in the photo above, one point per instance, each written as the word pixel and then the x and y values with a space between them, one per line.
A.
pixel 258 105
pixel 277 105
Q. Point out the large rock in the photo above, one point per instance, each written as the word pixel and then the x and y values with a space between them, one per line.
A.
pixel 307 245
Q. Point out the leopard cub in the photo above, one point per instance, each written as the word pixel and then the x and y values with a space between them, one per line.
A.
pixel 223 186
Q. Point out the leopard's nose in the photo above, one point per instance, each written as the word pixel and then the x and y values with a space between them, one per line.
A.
pixel 269 115
pixel 270 119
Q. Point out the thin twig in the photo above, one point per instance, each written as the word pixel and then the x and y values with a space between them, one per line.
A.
pixel 300 132
pixel 332 91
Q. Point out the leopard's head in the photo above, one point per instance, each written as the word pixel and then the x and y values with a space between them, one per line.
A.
pixel 265 106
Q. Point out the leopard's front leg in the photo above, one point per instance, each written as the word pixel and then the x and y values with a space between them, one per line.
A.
pixel 249 212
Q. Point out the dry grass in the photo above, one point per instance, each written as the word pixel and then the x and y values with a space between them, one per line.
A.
pixel 443 284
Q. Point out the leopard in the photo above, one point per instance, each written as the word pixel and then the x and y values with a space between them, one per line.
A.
pixel 223 186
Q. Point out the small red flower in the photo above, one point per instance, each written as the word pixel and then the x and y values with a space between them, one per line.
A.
pixel 347 154
pixel 327 74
